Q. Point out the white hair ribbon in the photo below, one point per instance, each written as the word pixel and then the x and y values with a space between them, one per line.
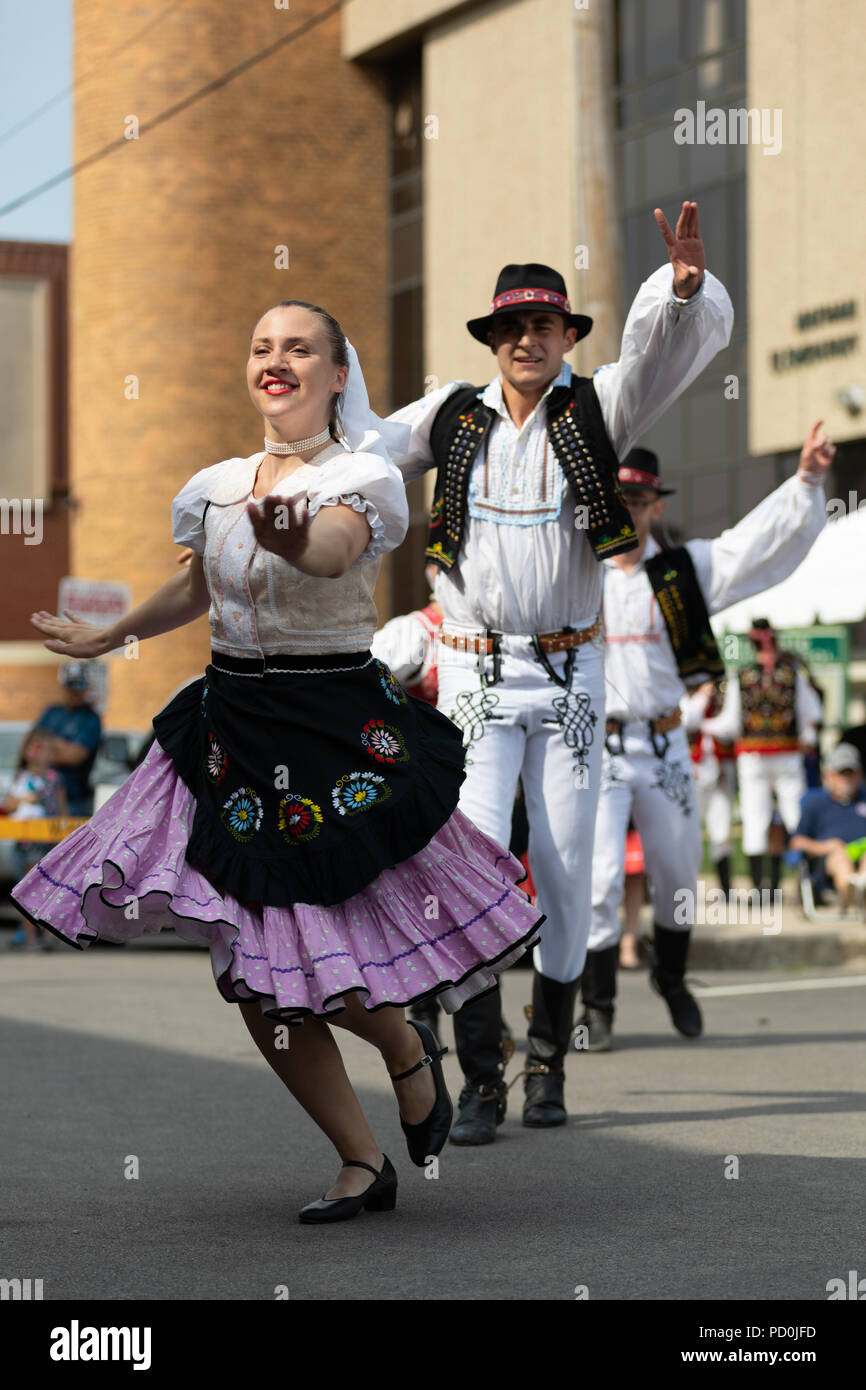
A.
pixel 363 429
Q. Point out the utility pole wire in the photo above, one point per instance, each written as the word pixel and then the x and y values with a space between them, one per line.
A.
pixel 174 110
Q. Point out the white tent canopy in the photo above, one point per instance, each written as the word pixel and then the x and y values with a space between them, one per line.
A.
pixel 828 587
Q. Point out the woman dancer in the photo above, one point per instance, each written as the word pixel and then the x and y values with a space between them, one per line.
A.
pixel 298 811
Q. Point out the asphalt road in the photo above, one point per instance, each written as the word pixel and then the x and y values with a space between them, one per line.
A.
pixel 117 1053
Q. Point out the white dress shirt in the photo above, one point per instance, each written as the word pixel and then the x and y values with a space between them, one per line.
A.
pixel 523 566
pixel 642 681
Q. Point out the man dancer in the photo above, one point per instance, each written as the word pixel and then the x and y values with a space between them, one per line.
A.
pixel 772 712
pixel 715 772
pixel 526 504
pixel 409 647
pixel 656 608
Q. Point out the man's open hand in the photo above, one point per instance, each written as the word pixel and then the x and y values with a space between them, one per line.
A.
pixel 686 249
pixel 817 453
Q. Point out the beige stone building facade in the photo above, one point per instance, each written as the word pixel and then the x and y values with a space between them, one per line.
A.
pixel 386 161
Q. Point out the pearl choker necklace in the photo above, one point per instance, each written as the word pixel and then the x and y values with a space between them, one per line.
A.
pixel 297 446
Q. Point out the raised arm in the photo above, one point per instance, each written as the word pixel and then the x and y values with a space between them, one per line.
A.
pixel 773 539
pixel 681 317
pixel 181 599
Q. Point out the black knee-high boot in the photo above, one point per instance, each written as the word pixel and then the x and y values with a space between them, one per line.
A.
pixel 756 865
pixel 478 1037
pixel 598 987
pixel 775 871
pixel 723 869
pixel 549 1036
pixel 667 976
pixel 426 1011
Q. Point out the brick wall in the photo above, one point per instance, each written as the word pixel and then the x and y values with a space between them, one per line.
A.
pixel 173 262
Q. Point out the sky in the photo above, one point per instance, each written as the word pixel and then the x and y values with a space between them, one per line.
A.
pixel 35 67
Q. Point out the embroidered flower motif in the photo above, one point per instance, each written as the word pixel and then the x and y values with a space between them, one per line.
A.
pixel 299 819
pixel 392 688
pixel 242 813
pixel 216 761
pixel 355 791
pixel 204 699
pixel 383 742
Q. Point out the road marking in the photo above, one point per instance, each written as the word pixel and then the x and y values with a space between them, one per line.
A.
pixel 780 986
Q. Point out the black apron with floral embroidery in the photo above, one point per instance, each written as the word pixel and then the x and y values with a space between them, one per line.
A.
pixel 309 785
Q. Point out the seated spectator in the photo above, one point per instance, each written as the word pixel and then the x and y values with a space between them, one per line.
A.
pixel 76 731
pixel 37 792
pixel 833 818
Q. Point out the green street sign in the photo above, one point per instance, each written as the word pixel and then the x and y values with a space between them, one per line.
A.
pixel 817 646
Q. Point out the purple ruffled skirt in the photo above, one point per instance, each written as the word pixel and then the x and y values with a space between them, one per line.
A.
pixel 444 922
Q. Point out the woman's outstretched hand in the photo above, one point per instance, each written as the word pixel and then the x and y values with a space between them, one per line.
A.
pixel 281 526
pixel 70 636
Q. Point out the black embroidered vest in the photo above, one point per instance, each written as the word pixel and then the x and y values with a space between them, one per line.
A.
pixel 769 711
pixel 683 607
pixel 577 434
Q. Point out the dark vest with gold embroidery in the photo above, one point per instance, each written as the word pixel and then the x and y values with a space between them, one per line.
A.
pixel 579 440
pixel 684 609
pixel 769 711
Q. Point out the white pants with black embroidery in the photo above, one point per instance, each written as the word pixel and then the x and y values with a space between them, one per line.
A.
pixel 528 726
pixel 658 794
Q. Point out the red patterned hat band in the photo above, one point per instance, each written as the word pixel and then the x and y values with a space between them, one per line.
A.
pixel 514 297
pixel 636 475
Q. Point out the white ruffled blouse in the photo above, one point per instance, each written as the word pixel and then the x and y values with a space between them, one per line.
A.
pixel 259 602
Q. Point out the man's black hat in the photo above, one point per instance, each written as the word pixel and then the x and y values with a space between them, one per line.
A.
pixel 522 287
pixel 640 468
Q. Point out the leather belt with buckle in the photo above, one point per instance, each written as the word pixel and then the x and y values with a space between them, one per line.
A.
pixel 658 731
pixel 560 641
pixel 662 725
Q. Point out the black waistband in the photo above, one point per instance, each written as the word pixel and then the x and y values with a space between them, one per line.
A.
pixel 278 661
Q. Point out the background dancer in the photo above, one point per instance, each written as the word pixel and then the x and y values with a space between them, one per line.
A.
pixel 526 503
pixel 656 613
pixel 409 646
pixel 772 712
pixel 715 771
pixel 298 811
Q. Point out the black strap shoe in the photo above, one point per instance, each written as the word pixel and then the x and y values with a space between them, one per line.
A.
pixel 381 1195
pixel 544 1105
pixel 427 1139
pixel 481 1109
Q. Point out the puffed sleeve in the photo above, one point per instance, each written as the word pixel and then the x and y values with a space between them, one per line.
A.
pixel 188 508
pixel 367 484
